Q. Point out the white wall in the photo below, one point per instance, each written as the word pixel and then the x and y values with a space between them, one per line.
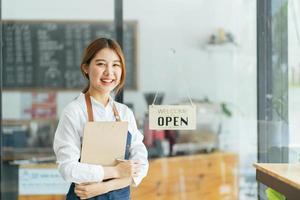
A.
pixel 57 9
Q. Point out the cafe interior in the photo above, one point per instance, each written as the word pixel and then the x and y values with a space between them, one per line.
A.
pixel 236 61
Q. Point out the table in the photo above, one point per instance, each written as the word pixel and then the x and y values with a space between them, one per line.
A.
pixel 283 177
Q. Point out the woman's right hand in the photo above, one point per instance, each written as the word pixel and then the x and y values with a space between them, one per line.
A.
pixel 128 168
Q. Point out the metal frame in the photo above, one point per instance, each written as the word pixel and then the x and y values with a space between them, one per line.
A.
pixel 264 70
pixel 272 83
pixel 118 20
pixel 1 99
pixel 269 92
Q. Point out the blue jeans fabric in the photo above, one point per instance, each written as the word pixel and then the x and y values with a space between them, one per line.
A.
pixel 120 194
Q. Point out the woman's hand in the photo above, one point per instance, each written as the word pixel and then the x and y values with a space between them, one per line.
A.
pixel 89 190
pixel 128 168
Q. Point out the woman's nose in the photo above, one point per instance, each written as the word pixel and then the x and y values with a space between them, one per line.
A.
pixel 108 69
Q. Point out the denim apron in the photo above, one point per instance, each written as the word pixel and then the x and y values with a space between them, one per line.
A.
pixel 120 194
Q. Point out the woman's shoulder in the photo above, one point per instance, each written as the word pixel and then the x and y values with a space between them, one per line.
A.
pixel 76 106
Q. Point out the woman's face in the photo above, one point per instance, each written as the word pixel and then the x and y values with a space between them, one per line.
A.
pixel 104 71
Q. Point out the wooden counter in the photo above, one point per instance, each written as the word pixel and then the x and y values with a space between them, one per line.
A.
pixel 285 178
pixel 204 176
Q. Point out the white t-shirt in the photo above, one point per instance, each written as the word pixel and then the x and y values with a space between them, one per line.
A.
pixel 68 139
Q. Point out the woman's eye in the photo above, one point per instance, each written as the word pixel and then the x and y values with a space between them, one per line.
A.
pixel 116 65
pixel 101 64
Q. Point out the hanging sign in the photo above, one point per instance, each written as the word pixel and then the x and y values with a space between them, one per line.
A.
pixel 172 117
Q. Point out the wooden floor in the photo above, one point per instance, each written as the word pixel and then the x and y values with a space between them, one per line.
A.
pixel 204 177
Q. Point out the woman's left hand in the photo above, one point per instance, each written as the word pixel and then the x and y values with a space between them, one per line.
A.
pixel 89 190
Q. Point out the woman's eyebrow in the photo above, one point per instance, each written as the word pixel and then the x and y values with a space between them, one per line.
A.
pixel 99 59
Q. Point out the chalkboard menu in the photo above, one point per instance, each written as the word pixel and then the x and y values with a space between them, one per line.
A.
pixel 47 54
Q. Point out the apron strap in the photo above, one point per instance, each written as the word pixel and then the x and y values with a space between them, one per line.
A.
pixel 90 110
pixel 116 113
pixel 89 107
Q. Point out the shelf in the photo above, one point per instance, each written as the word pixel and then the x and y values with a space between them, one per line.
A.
pixel 11 154
pixel 227 47
pixel 26 121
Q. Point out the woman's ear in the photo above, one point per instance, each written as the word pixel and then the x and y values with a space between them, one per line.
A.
pixel 84 68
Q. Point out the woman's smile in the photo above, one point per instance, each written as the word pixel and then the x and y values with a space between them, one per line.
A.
pixel 107 81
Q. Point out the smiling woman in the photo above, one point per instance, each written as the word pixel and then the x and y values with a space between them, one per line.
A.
pixel 103 65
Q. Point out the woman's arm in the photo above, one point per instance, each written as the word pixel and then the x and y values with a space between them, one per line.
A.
pixel 89 190
pixel 124 169
pixel 67 146
pixel 138 150
pixel 116 184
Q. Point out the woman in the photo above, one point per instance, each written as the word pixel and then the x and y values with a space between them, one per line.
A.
pixel 103 65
